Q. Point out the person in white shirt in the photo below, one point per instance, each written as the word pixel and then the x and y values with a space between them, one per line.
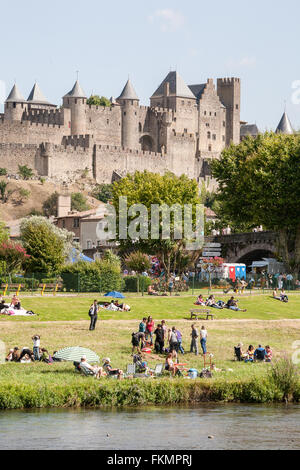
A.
pixel 36 347
pixel 203 339
pixel 97 371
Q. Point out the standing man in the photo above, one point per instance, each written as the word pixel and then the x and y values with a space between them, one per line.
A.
pixel 194 342
pixel 93 313
pixel 203 339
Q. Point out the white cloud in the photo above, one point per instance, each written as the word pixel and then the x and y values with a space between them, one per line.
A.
pixel 247 61
pixel 170 20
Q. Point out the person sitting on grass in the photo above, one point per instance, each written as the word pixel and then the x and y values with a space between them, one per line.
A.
pixel 151 291
pixel 3 304
pixel 110 371
pixel 250 354
pixel 136 339
pixel 169 364
pixel 283 296
pixel 276 295
pixel 269 354
pixel 97 371
pixel 260 353
pixel 9 356
pixel 232 304
pixel 200 300
pixel 15 302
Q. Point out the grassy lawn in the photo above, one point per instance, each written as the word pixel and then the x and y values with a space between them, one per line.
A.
pixel 260 307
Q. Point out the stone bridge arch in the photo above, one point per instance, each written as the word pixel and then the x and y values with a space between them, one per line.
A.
pixel 246 247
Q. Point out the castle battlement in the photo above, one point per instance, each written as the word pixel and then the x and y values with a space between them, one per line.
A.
pixel 77 140
pixel 228 80
pixel 12 146
pixel 104 109
pixel 115 148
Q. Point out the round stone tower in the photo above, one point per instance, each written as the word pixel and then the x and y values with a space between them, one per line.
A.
pixel 75 100
pixel 129 102
pixel 15 105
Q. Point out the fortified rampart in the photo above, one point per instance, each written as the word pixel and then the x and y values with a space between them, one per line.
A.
pixel 184 128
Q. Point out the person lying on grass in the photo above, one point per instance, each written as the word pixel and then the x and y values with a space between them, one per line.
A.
pixel 211 302
pixel 232 304
pixel 97 371
pixel 110 371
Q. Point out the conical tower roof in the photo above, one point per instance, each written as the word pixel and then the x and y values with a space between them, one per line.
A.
pixel 76 92
pixel 177 87
pixel 36 96
pixel 15 96
pixel 128 92
pixel 285 126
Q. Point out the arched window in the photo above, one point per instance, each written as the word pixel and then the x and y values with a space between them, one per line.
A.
pixel 208 135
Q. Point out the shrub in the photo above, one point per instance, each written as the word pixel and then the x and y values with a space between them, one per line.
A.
pixel 25 172
pixel 131 283
pixel 100 276
pixel 285 376
pixel 79 202
pixel 3 171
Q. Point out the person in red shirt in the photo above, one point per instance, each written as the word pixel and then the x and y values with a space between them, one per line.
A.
pixel 150 329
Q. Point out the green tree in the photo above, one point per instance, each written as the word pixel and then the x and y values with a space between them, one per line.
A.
pixel 149 188
pixel 79 202
pixel 97 100
pixel 48 246
pixel 138 261
pixel 50 205
pixel 103 192
pixel 259 184
pixel 25 172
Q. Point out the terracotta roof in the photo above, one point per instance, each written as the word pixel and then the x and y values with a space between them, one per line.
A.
pixel 210 213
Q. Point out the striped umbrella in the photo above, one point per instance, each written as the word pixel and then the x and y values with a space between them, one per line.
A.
pixel 75 354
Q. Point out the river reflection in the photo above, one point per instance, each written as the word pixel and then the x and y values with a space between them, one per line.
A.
pixel 232 427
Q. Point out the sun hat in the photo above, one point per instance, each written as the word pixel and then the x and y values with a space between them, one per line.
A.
pixel 106 359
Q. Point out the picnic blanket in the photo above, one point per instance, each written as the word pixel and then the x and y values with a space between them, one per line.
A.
pixel 10 311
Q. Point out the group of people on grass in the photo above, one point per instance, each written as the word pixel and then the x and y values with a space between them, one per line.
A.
pixel 112 306
pixel 27 355
pixel 263 354
pixel 167 340
pixel 211 302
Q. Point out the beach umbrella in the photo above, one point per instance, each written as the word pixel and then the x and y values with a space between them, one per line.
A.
pixel 75 354
pixel 115 295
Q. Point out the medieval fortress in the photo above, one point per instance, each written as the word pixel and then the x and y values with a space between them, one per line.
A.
pixel 184 128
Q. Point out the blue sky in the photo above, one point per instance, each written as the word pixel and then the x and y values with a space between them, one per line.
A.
pixel 109 40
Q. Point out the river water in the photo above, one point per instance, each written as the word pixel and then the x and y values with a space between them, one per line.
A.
pixel 181 428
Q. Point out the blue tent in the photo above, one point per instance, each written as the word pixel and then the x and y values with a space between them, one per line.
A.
pixel 81 257
pixel 115 295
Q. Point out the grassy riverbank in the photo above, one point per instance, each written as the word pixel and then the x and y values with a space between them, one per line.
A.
pixel 42 385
